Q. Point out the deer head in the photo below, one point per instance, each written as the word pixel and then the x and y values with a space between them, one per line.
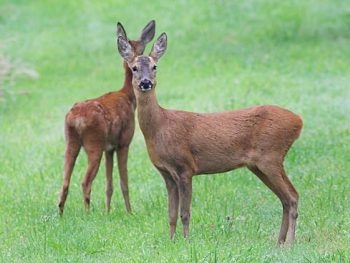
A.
pixel 138 46
pixel 144 68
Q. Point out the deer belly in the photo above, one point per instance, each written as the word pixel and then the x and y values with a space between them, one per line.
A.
pixel 217 163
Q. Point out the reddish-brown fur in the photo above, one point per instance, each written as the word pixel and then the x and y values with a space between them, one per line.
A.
pixel 104 124
pixel 183 144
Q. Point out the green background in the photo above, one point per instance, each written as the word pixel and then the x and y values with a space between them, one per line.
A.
pixel 221 55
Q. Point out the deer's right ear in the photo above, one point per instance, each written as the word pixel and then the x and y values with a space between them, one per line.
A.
pixel 121 31
pixel 125 49
pixel 159 47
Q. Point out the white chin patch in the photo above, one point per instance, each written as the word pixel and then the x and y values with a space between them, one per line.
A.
pixel 144 89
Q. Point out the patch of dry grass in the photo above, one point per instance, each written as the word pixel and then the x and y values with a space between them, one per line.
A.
pixel 12 69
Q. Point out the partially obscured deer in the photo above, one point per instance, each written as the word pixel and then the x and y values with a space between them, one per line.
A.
pixel 183 144
pixel 104 124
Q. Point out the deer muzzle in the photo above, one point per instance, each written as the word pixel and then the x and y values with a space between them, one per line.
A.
pixel 145 85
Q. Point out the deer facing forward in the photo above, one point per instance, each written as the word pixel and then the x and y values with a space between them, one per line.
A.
pixel 182 144
pixel 104 124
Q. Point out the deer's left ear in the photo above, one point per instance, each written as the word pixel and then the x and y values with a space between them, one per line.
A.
pixel 125 49
pixel 148 32
pixel 159 47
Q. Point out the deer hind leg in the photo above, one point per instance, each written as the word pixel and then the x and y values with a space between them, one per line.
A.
pixel 173 202
pixel 275 178
pixel 109 178
pixel 293 213
pixel 94 153
pixel 122 155
pixel 73 146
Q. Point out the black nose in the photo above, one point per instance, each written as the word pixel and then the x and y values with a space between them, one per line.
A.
pixel 146 84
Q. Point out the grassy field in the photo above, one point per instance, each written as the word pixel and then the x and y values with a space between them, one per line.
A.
pixel 221 55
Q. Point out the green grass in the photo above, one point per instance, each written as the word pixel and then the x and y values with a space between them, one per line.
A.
pixel 221 55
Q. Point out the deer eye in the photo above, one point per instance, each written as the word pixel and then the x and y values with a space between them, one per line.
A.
pixel 134 68
pixel 154 67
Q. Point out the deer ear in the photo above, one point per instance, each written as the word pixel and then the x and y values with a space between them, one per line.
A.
pixel 148 32
pixel 125 49
pixel 121 31
pixel 159 47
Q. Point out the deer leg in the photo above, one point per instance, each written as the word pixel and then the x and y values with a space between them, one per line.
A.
pixel 277 181
pixel 285 218
pixel 122 155
pixel 72 150
pixel 185 194
pixel 109 178
pixel 293 213
pixel 173 202
pixel 94 159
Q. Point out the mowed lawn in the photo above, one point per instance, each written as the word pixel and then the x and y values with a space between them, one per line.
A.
pixel 221 55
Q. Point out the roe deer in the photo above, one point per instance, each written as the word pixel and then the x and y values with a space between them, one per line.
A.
pixel 182 144
pixel 104 124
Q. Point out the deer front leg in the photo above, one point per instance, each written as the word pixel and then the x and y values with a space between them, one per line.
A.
pixel 109 178
pixel 173 202
pixel 185 194
pixel 122 155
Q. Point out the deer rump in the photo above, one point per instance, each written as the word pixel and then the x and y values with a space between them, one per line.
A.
pixel 102 116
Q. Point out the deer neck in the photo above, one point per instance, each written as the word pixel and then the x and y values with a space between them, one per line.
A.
pixel 127 87
pixel 150 114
